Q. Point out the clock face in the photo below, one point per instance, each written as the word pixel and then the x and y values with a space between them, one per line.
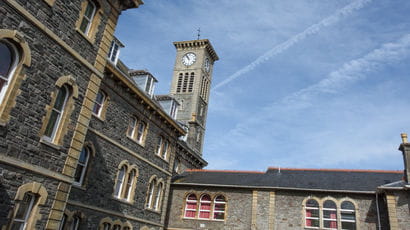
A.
pixel 188 59
pixel 207 65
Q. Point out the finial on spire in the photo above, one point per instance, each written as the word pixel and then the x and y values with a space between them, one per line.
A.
pixel 199 33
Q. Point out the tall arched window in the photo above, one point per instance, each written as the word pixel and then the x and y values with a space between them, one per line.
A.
pixel 99 103
pixel 158 196
pixel 56 113
pixel 24 211
pixel 312 213
pixel 9 58
pixel 191 206
pixel 120 181
pixel 130 184
pixel 348 216
pixel 82 166
pixel 219 208
pixel 329 215
pixel 76 223
pixel 185 83
pixel 205 207
pixel 150 197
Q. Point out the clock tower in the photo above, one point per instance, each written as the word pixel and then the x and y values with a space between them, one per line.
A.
pixel 191 84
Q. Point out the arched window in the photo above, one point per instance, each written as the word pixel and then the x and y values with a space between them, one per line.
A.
pixel 56 113
pixel 140 131
pixel 82 166
pixel 117 227
pixel 24 211
pixel 219 208
pixel 63 222
pixel 9 58
pixel 106 226
pixel 165 149
pixel 88 17
pixel 348 216
pixel 191 206
pixel 120 182
pixel 312 213
pixel 158 197
pixel 130 184
pixel 329 215
pixel 205 207
pixel 185 84
pixel 99 103
pixel 76 223
pixel 150 197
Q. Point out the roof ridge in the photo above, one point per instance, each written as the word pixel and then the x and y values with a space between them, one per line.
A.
pixel 222 170
pixel 336 170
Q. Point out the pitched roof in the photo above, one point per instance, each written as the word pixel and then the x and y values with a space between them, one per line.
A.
pixel 301 179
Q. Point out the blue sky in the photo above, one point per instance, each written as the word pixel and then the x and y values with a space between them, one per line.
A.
pixel 300 83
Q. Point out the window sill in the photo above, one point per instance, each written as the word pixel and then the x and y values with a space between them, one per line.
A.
pixel 82 187
pixel 98 117
pixel 187 218
pixel 3 124
pixel 165 160
pixel 85 36
pixel 123 200
pixel 52 145
pixel 136 142
pixel 153 210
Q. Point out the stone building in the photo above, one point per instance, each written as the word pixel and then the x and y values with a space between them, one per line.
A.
pixel 86 144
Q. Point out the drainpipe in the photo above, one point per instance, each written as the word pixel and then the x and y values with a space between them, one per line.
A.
pixel 378 211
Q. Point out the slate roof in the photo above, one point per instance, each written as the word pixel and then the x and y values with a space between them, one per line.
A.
pixel 301 179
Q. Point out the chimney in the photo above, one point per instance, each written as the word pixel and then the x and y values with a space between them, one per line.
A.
pixel 405 148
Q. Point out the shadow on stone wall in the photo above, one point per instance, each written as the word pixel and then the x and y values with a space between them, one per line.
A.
pixel 371 215
pixel 5 203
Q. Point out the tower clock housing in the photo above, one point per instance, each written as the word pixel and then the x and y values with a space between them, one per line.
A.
pixel 191 84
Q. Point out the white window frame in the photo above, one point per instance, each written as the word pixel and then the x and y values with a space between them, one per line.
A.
pixel 329 219
pixel 347 211
pixel 23 222
pixel 204 210
pixel 57 123
pixel 159 145
pixel 90 20
pixel 100 104
pixel 187 201
pixel 76 223
pixel 151 190
pixel 107 226
pixel 120 182
pixel 130 183
pixel 165 149
pixel 158 196
pixel 140 132
pixel 131 127
pixel 85 165
pixel 15 54
pixel 215 211
pixel 312 218
pixel 114 53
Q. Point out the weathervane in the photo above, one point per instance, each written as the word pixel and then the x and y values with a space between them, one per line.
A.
pixel 199 33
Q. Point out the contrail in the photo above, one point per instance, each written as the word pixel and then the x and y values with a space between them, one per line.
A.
pixel 313 29
pixel 355 70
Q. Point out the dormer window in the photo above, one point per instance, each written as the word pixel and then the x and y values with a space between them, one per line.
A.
pixel 169 104
pixel 144 80
pixel 115 50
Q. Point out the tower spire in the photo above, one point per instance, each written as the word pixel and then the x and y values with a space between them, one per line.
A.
pixel 199 33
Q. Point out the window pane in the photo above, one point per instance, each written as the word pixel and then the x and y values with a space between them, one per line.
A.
pixel 107 226
pixel 131 127
pixel 60 101
pixel 348 205
pixel 141 128
pixel 6 59
pixel 89 10
pixel 219 207
pixel 78 173
pixel 312 203
pixel 312 223
pixel 120 181
pixel 348 216
pixel 158 147
pixel 312 213
pixel 24 207
pixel 84 25
pixel 348 226
pixel 329 214
pixel 2 84
pixel 219 215
pixel 329 204
pixel 192 197
pixel 330 224
pixel 204 215
pixel 17 226
pixel 83 156
pixel 220 199
pixel 190 214
pixel 51 123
